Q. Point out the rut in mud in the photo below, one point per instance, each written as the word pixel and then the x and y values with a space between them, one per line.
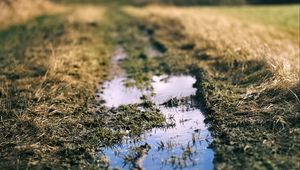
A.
pixel 182 144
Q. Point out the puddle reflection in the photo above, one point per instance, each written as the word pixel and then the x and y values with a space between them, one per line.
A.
pixel 183 146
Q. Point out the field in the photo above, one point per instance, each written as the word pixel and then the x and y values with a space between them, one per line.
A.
pixel 55 58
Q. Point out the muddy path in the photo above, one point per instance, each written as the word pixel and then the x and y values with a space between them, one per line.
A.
pixel 139 73
pixel 219 84
pixel 163 100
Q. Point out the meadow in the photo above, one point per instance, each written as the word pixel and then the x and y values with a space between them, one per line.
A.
pixel 56 55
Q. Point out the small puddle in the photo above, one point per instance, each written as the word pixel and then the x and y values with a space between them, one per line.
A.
pixel 152 51
pixel 183 146
pixel 115 93
pixel 118 55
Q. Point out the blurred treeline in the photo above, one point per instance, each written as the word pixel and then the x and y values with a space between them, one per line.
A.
pixel 185 2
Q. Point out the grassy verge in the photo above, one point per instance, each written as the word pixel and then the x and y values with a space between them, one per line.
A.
pixel 252 108
pixel 222 34
pixel 49 66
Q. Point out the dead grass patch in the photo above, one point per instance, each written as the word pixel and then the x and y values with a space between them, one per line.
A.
pixel 49 69
pixel 235 39
pixel 87 14
pixel 16 11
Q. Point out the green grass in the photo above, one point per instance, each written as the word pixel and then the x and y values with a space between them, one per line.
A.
pixel 285 17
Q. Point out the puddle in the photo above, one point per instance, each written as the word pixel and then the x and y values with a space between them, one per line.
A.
pixel 153 52
pixel 118 55
pixel 184 146
pixel 167 87
pixel 115 93
pixel 155 49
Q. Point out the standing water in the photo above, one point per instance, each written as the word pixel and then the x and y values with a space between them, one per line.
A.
pixel 183 146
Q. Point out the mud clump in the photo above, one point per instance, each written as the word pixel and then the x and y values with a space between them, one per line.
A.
pixel 175 102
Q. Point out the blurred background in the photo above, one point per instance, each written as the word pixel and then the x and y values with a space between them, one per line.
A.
pixel 191 2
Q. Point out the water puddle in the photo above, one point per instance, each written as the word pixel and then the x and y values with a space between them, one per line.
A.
pixel 115 93
pixel 185 145
pixel 152 52
pixel 155 49
pixel 118 55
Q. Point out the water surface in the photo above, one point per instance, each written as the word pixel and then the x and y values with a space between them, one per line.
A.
pixel 184 146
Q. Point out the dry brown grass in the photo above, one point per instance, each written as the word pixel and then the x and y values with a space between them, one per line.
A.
pixel 86 14
pixel 15 11
pixel 49 70
pixel 236 39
